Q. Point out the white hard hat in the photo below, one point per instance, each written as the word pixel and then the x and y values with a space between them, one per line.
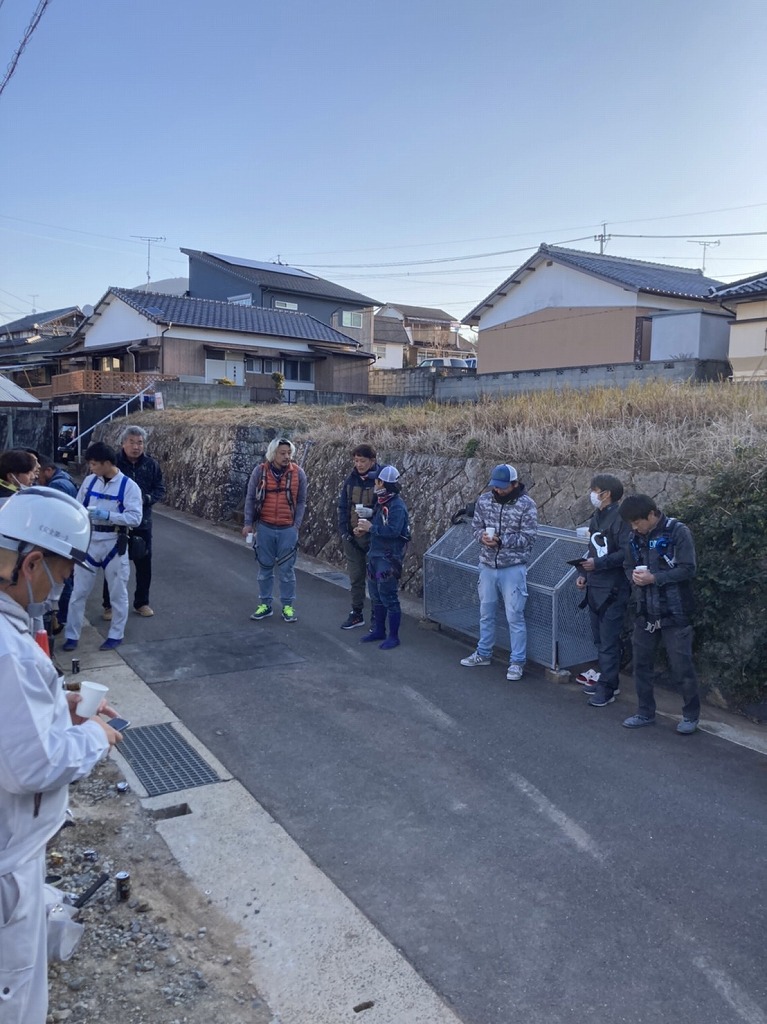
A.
pixel 43 517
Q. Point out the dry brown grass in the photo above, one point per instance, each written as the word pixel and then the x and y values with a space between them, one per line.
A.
pixel 657 425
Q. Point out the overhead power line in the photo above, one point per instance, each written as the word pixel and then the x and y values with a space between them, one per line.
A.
pixel 39 12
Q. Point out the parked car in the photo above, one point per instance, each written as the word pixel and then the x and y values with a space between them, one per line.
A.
pixel 443 364
pixel 472 363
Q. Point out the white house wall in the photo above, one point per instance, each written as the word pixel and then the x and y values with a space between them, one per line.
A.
pixel 554 287
pixel 117 324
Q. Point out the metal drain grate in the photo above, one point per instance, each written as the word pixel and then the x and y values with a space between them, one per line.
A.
pixel 163 761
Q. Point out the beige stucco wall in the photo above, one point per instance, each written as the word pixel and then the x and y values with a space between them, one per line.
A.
pixel 748 341
pixel 550 338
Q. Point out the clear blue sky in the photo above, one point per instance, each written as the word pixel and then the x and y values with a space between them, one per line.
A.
pixel 353 132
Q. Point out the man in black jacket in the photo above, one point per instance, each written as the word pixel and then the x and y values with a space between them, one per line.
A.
pixel 356 501
pixel 136 464
pixel 661 552
pixel 606 585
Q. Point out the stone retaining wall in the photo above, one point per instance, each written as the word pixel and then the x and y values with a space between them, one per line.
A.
pixel 207 468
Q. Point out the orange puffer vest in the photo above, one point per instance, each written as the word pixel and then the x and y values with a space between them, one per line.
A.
pixel 279 496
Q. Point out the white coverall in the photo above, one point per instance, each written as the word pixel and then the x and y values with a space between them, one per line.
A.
pixel 103 541
pixel 41 752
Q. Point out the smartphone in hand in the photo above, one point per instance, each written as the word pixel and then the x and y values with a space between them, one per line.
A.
pixel 120 724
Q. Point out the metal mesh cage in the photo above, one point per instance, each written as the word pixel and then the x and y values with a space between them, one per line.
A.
pixel 558 632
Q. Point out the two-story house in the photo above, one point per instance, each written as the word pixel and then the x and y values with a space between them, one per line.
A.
pixel 277 286
pixel 406 335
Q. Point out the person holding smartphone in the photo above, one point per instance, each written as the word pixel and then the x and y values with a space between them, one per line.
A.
pixel 607 587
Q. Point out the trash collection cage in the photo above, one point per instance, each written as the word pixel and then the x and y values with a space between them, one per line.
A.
pixel 558 631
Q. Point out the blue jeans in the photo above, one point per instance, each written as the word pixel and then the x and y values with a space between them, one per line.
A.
pixel 678 643
pixel 511 583
pixel 276 548
pixel 383 584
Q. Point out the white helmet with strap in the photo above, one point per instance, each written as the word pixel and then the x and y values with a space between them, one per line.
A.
pixel 42 517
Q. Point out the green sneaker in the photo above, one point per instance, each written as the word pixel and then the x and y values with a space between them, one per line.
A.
pixel 263 611
pixel 289 613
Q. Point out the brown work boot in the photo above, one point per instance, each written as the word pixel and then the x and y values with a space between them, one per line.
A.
pixel 144 611
pixel 107 614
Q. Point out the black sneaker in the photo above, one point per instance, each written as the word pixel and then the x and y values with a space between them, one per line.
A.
pixel 590 690
pixel 354 619
pixel 602 698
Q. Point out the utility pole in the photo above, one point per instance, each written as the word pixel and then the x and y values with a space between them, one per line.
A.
pixel 149 239
pixel 603 239
pixel 34 299
pixel 694 241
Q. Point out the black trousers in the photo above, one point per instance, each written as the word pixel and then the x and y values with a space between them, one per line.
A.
pixel 143 568
pixel 678 643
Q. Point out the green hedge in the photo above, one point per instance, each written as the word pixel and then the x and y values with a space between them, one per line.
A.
pixel 729 524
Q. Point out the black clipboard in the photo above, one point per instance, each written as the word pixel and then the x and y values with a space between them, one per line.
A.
pixel 576 562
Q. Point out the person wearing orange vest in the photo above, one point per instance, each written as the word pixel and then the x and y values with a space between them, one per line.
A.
pixel 274 507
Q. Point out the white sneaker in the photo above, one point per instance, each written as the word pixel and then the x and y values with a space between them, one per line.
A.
pixel 475 659
pixel 588 678
pixel 515 672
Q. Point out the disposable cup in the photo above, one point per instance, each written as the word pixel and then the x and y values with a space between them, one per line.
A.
pixel 490 531
pixel 91 695
pixel 640 568
pixel 582 531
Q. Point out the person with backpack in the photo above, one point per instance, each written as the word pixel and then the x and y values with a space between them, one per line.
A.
pixel 389 531
pixel 607 588
pixel 133 461
pixel 505 524
pixel 661 553
pixel 114 505
pixel 356 501
pixel 274 508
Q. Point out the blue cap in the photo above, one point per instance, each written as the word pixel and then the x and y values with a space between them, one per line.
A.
pixel 503 476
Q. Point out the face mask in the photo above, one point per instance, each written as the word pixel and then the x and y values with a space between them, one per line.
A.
pixel 19 484
pixel 36 609
pixel 596 501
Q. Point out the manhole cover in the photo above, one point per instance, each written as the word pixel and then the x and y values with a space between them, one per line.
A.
pixel 163 760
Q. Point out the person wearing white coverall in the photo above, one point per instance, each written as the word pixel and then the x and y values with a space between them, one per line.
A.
pixel 44 744
pixel 113 500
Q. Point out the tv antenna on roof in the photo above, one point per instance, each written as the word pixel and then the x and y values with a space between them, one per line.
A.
pixel 149 239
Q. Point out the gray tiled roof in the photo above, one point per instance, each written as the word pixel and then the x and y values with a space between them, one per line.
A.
pixel 422 312
pixel 747 287
pixel 389 329
pixel 300 283
pixel 27 323
pixel 652 278
pixel 228 316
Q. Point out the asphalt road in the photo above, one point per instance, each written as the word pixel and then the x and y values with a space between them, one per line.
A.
pixel 533 860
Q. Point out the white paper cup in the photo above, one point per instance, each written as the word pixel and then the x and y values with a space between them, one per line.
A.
pixel 640 568
pixel 490 531
pixel 582 531
pixel 91 695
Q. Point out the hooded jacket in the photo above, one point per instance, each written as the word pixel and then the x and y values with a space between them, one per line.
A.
pixel 516 526
pixel 146 472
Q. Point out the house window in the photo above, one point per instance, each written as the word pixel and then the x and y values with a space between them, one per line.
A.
pixel 280 304
pixel 255 364
pixel 380 351
pixel 351 319
pixel 241 300
pixel 299 370
pixel 110 364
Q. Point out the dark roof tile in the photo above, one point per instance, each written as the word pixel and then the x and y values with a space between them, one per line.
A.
pixel 229 316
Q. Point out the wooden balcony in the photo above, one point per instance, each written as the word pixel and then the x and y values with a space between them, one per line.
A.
pixel 98 382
